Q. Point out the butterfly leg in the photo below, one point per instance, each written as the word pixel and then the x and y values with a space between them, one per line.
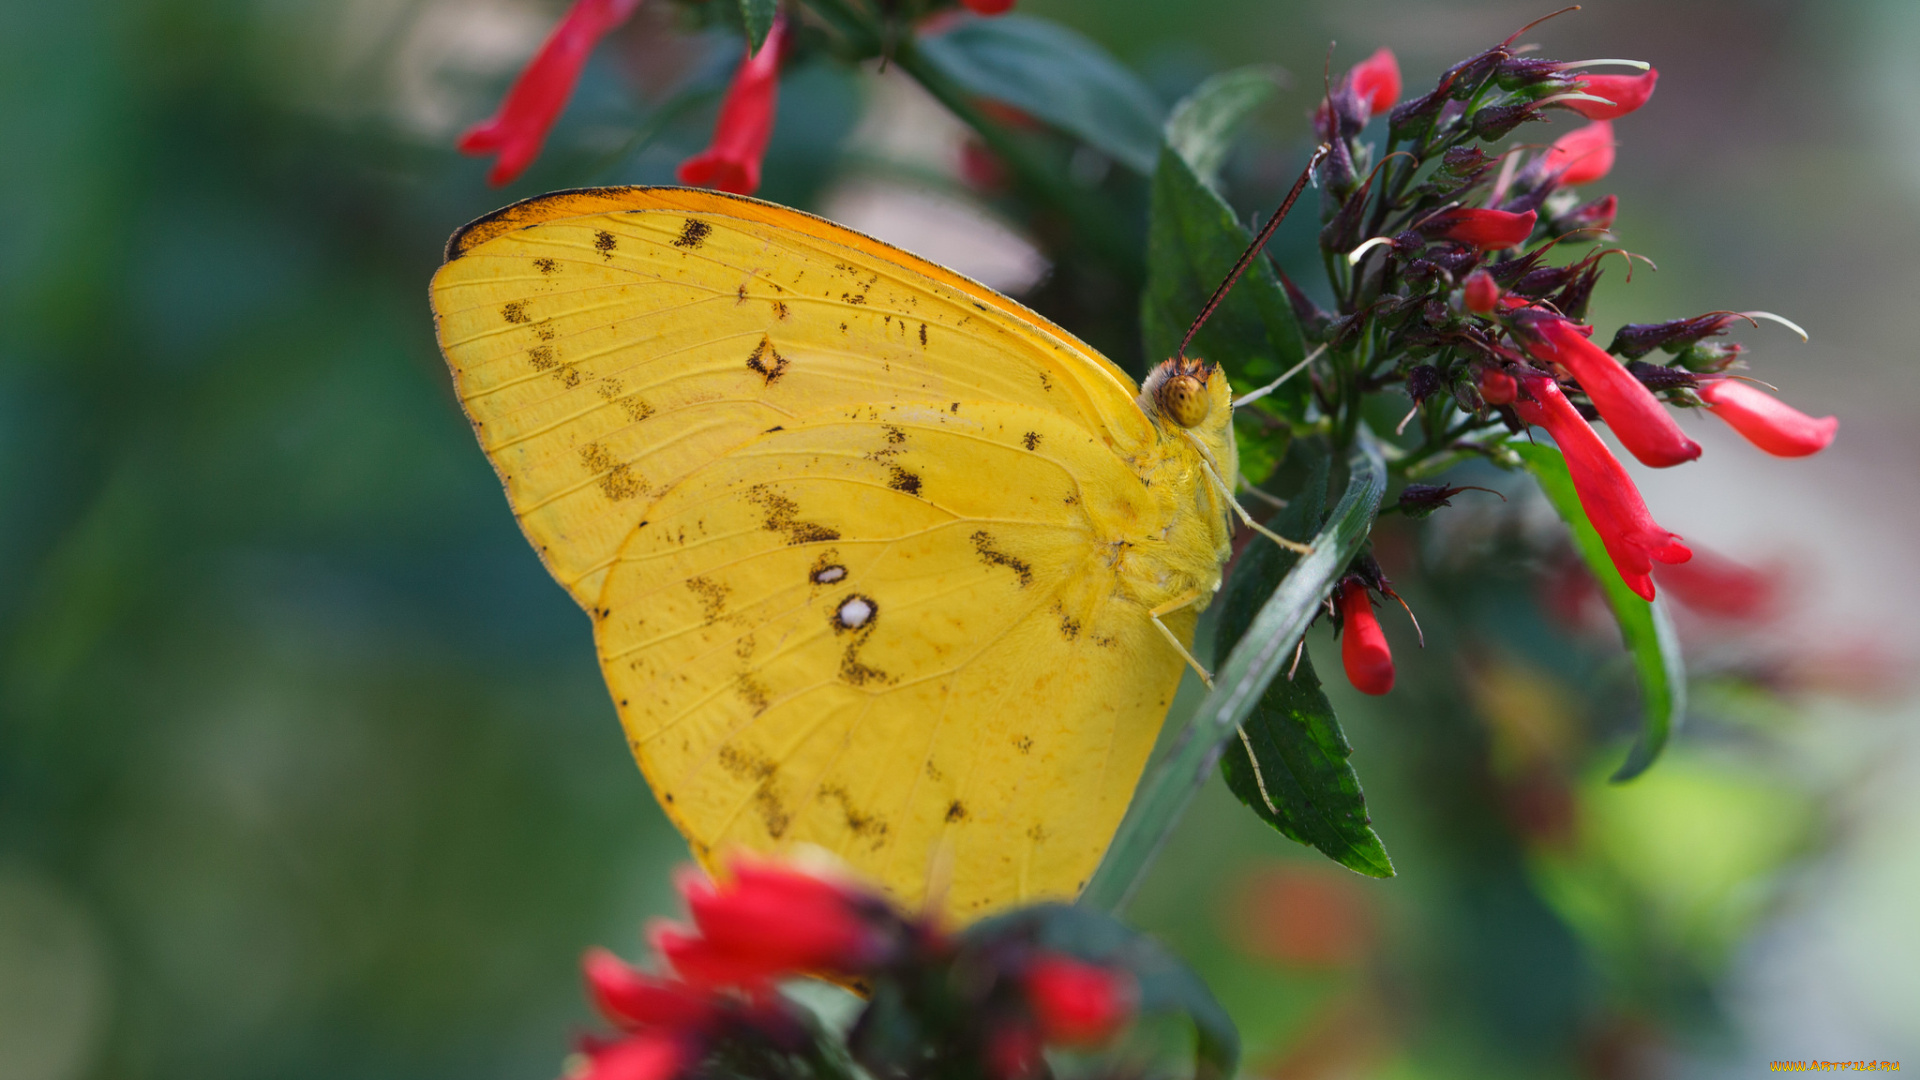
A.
pixel 1221 486
pixel 1169 607
pixel 1259 779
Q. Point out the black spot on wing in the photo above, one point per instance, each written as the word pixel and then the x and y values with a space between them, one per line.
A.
pixel 515 311
pixel 983 544
pixel 956 811
pixel 693 234
pixel 604 243
pixel 546 266
pixel 766 360
pixel 1031 440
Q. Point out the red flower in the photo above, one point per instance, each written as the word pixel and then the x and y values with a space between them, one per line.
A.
pixel 1766 421
pixel 1614 506
pixel 1078 1004
pixel 1582 155
pixel 648 1055
pixel 732 162
pixel 1626 92
pixel 1363 647
pixel 988 7
pixel 1488 230
pixel 1641 422
pixel 1481 292
pixel 632 999
pixel 516 131
pixel 1376 80
pixel 769 921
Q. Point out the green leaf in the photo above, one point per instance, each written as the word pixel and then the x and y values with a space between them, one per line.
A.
pixel 1054 74
pixel 1193 241
pixel 1202 126
pixel 1645 627
pixel 1166 984
pixel 1263 652
pixel 757 17
pixel 1291 765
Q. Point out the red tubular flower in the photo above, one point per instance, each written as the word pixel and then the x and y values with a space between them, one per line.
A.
pixel 648 1055
pixel 1078 1004
pixel 1766 421
pixel 518 129
pixel 1634 541
pixel 1363 647
pixel 1377 81
pixel 1626 92
pixel 1488 230
pixel 988 7
pixel 732 162
pixel 1641 422
pixel 1582 155
pixel 1717 586
pixel 1481 292
pixel 769 921
pixel 632 999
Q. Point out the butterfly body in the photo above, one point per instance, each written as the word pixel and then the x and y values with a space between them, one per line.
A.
pixel 874 555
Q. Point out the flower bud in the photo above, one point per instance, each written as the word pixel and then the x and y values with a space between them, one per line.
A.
pixel 1313 319
pixel 1625 92
pixel 648 1055
pixel 769 921
pixel 1497 387
pixel 1481 293
pixel 1655 377
pixel 632 999
pixel 1363 646
pixel 1076 1003
pixel 1766 421
pixel 1377 80
pixel 1496 122
pixel 1463 160
pixel 1421 500
pixel 1598 214
pixel 1423 381
pixel 1487 230
pixel 1636 340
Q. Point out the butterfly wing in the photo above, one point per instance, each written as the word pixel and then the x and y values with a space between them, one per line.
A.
pixel 849 526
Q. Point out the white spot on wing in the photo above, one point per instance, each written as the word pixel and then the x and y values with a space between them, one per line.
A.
pixel 854 612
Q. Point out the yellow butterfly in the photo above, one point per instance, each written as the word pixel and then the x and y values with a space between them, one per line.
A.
pixel 878 559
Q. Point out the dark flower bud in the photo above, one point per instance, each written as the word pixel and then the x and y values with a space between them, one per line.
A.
pixel 1342 233
pixel 1436 312
pixel 1545 279
pixel 1420 273
pixel 1531 72
pixel 1458 261
pixel 1336 172
pixel 1598 214
pixel 1463 160
pixel 1496 122
pixel 1423 381
pixel 1506 273
pixel 1635 340
pixel 1465 77
pixel 1312 318
pixel 1420 500
pixel 1655 377
pixel 1573 299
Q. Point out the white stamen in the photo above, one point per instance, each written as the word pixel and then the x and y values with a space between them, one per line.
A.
pixel 1256 395
pixel 1572 95
pixel 1354 256
pixel 1641 64
pixel 1411 413
pixel 1782 320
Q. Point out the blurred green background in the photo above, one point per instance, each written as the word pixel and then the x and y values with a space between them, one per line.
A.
pixel 306 768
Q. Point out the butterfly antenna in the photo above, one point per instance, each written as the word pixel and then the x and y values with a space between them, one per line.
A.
pixel 1253 251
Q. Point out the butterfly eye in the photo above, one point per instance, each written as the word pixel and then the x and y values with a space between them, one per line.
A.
pixel 1183 399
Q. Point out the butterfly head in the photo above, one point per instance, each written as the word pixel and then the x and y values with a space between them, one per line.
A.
pixel 1181 391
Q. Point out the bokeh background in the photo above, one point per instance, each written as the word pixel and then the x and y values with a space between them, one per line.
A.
pixel 306 768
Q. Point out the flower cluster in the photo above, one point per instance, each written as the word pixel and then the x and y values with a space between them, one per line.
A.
pixel 1440 255
pixel 986 1004
pixel 519 128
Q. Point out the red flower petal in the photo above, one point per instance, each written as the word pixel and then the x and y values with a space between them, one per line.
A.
pixel 1377 81
pixel 1488 230
pixel 1076 1003
pixel 1626 92
pixel 1582 155
pixel 1766 421
pixel 630 998
pixel 732 161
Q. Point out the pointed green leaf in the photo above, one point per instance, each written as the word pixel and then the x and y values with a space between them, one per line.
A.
pixel 1193 241
pixel 1057 75
pixel 1166 984
pixel 1263 652
pixel 757 17
pixel 1202 126
pixel 1645 627
pixel 1290 763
